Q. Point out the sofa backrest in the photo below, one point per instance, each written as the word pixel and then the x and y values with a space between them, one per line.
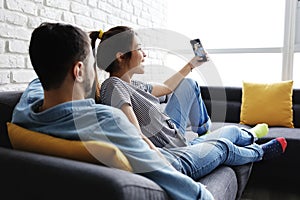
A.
pixel 296 107
pixel 219 101
pixel 8 100
pixel 224 104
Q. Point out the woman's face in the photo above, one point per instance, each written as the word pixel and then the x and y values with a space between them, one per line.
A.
pixel 137 57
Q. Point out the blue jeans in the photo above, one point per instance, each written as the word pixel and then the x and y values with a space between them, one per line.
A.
pixel 229 145
pixel 186 105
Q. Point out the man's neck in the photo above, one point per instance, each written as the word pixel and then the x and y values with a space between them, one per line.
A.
pixel 59 96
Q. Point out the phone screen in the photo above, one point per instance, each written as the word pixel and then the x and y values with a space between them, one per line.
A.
pixel 198 49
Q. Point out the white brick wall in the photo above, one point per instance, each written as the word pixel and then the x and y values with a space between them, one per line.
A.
pixel 18 18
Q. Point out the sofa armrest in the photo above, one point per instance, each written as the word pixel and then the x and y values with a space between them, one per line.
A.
pixel 26 175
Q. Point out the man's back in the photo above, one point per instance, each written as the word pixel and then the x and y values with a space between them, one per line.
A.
pixel 85 120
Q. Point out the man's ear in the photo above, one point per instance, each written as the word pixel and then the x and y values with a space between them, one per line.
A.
pixel 78 71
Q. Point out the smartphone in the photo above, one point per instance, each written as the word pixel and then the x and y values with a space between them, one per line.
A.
pixel 198 49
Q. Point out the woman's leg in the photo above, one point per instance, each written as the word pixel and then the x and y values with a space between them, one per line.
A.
pixel 198 160
pixel 235 134
pixel 185 105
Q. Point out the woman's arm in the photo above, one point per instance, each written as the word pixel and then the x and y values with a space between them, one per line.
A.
pixel 128 111
pixel 171 84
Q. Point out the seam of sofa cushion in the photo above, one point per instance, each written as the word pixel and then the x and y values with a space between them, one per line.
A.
pixel 233 180
pixel 147 191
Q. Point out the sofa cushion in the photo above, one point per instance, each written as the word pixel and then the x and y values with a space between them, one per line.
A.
pixel 226 180
pixel 89 151
pixel 269 103
pixel 26 175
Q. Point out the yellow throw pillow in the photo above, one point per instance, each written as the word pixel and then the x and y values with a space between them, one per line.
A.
pixel 269 103
pixel 88 151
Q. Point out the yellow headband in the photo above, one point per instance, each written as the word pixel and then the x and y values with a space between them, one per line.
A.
pixel 100 34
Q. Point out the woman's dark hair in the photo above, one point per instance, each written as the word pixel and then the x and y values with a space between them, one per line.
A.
pixel 116 39
pixel 54 48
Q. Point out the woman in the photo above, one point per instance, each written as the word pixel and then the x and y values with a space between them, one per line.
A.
pixel 119 53
pixel 162 128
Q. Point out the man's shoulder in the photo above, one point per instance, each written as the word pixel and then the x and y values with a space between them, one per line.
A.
pixel 111 116
pixel 107 110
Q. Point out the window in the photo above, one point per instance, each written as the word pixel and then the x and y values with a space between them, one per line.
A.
pixel 296 64
pixel 243 38
pixel 296 70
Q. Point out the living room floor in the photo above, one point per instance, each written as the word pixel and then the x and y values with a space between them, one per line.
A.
pixel 254 193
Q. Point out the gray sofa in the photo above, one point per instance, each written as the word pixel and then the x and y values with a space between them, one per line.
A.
pixel 282 173
pixel 27 175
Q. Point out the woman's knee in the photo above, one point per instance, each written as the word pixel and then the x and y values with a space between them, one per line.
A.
pixel 224 144
pixel 188 85
pixel 230 129
pixel 191 82
pixel 222 147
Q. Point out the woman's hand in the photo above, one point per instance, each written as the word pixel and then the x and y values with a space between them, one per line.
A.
pixel 197 61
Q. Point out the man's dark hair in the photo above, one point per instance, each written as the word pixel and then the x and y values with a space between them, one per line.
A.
pixel 54 48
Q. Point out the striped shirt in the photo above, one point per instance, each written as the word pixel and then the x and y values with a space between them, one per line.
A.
pixel 153 122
